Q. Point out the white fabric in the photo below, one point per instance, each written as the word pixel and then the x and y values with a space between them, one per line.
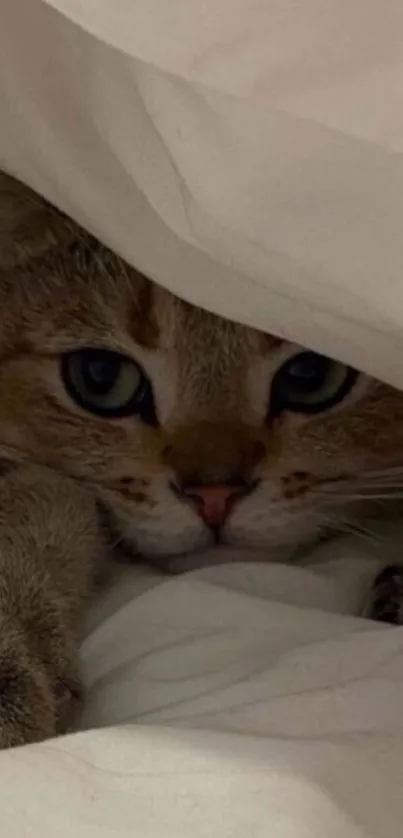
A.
pixel 223 647
pixel 248 155
pixel 245 153
pixel 247 710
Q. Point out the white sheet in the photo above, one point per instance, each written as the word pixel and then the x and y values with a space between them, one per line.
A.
pixel 245 153
pixel 237 646
pixel 248 711
pixel 248 155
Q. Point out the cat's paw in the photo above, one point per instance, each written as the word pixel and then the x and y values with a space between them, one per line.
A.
pixel 37 701
pixel 69 695
pixel 386 598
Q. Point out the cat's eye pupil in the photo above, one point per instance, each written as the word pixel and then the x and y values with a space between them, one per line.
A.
pixel 310 383
pixel 100 373
pixel 108 384
pixel 308 371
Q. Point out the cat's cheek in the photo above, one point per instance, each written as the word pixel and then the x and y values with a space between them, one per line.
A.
pixel 159 546
pixel 168 528
pixel 276 527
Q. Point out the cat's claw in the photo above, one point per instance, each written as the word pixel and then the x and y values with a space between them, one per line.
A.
pixel 386 597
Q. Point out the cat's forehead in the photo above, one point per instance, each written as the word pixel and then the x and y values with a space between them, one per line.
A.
pixel 58 284
pixel 96 298
pixel 180 325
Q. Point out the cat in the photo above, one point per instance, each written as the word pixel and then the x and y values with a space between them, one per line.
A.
pixel 128 416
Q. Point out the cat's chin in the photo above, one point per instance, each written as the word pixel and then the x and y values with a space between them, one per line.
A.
pixel 225 554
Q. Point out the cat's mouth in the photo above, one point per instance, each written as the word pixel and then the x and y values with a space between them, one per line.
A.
pixel 213 503
pixel 283 518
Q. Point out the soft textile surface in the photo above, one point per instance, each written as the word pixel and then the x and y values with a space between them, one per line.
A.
pixel 238 646
pixel 245 153
pixel 251 711
pixel 248 155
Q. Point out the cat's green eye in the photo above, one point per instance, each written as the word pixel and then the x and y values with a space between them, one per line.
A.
pixel 310 383
pixel 107 383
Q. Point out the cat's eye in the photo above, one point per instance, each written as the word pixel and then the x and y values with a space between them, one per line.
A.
pixel 310 383
pixel 107 383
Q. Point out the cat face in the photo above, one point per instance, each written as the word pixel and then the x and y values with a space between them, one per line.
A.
pixel 189 429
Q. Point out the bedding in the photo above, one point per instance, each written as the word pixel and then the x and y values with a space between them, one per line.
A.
pixel 247 155
pixel 245 699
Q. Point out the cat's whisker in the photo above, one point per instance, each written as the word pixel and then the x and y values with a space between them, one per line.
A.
pixel 343 497
pixel 384 484
pixel 383 472
pixel 357 484
pixel 346 527
pixel 369 483
pixel 378 480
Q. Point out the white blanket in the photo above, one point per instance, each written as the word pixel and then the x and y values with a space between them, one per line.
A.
pixel 245 153
pixel 248 155
pixel 237 647
pixel 255 704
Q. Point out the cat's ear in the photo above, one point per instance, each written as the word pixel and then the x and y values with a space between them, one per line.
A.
pixel 29 226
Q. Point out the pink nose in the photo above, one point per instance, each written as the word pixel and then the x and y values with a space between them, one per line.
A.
pixel 213 502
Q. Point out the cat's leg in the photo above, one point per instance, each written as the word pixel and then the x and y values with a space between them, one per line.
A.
pixel 50 546
pixel 386 597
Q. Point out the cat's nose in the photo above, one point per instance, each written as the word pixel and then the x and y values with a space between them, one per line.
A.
pixel 213 502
